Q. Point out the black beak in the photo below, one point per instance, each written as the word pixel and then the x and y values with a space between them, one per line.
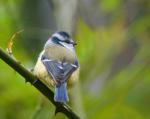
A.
pixel 73 43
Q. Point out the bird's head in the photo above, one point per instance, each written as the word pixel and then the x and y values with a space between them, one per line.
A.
pixel 62 38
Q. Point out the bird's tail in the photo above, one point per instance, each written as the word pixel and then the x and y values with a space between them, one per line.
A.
pixel 60 94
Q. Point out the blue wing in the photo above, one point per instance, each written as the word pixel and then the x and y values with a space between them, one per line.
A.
pixel 59 71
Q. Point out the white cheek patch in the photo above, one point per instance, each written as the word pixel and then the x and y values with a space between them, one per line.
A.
pixel 69 46
pixel 48 42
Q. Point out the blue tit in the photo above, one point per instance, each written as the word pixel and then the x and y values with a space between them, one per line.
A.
pixel 57 65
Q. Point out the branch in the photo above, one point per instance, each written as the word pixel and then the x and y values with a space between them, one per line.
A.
pixel 29 77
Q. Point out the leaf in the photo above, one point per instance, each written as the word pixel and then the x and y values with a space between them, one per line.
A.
pixel 11 41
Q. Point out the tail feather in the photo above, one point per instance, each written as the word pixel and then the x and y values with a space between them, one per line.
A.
pixel 60 94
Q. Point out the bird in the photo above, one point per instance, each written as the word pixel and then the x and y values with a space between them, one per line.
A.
pixel 57 65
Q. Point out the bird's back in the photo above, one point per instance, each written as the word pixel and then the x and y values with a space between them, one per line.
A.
pixel 61 53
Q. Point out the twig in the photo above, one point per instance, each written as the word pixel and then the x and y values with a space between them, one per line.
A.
pixel 29 77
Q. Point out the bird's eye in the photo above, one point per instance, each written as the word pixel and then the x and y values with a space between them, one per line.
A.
pixel 67 41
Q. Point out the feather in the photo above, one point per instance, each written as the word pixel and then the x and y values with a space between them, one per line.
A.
pixel 60 94
pixel 60 72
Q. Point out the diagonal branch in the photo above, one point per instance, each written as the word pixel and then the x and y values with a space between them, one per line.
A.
pixel 29 77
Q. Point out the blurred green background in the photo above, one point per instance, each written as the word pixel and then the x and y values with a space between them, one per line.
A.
pixel 113 49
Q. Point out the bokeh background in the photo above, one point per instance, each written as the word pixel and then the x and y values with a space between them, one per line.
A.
pixel 113 49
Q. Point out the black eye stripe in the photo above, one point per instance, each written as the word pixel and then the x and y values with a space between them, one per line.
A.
pixel 67 41
pixel 55 39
